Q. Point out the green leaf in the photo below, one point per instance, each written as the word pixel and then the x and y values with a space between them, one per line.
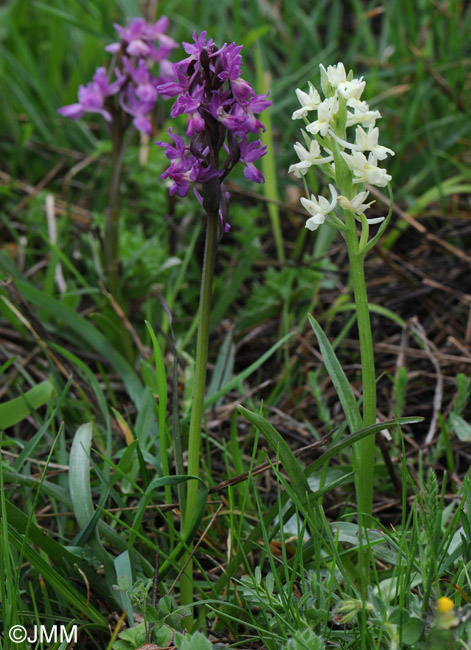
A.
pixel 81 494
pixel 280 447
pixel 161 377
pixel 338 377
pixel 398 616
pixel 79 475
pixel 136 635
pixel 196 641
pixel 223 367
pixel 305 640
pixel 461 427
pixel 123 568
pixel 356 436
pixel 384 224
pixel 343 173
pixel 144 426
pixel 19 408
pixel 30 447
pixel 412 630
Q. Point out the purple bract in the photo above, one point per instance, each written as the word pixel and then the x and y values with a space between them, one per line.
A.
pixel 220 107
pixel 141 46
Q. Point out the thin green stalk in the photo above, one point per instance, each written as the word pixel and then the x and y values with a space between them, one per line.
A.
pixel 199 387
pixel 364 450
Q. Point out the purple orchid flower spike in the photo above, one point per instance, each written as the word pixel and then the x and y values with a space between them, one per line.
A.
pixel 142 46
pixel 127 94
pixel 220 107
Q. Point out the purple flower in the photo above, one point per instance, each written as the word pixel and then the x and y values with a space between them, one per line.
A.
pixel 176 152
pixel 220 107
pixel 249 152
pixel 177 85
pixel 135 84
pixel 186 103
pixel 137 39
pixel 231 62
pixel 199 44
pixel 100 78
pixel 91 97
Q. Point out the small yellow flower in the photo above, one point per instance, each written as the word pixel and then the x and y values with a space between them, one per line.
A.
pixel 444 605
pixel 446 618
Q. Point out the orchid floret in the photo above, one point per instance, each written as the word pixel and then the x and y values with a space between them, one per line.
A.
pixel 309 102
pixel 319 207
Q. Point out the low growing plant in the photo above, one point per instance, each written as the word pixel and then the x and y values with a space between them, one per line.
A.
pixel 221 109
pixel 329 147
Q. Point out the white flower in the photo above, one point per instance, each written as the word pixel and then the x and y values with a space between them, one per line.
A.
pixel 307 158
pixel 325 113
pixel 352 89
pixel 318 208
pixel 361 114
pixel 357 204
pixel 335 74
pixel 309 102
pixel 366 170
pixel 303 154
pixel 368 141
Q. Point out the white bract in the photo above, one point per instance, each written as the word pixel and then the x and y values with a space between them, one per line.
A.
pixel 341 109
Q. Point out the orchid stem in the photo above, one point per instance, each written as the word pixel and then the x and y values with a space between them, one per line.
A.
pixel 364 450
pixel 199 388
pixel 111 244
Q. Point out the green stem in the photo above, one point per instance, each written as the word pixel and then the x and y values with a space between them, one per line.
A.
pixel 364 450
pixel 199 388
